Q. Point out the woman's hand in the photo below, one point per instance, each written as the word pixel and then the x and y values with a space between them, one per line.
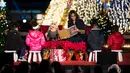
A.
pixel 81 31
pixel 77 30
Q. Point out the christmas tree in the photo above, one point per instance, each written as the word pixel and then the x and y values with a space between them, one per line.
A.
pixel 119 13
pixel 58 10
pixel 3 23
pixel 87 9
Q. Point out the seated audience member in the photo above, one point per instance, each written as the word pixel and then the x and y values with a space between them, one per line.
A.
pixel 35 39
pixel 76 69
pixel 115 40
pixel 23 67
pixel 15 42
pixel 56 67
pixel 114 68
pixel 112 71
pixel 44 67
pixel 34 67
pixel 98 69
pixel 52 33
pixel 95 38
pixel 7 69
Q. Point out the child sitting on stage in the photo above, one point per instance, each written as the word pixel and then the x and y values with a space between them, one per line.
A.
pixel 35 39
pixel 115 40
pixel 15 42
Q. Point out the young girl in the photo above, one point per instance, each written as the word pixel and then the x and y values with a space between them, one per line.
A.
pixel 53 32
pixel 35 39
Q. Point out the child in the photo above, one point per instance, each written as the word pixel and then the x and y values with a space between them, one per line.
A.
pixel 115 40
pixel 95 38
pixel 53 32
pixel 35 39
pixel 15 42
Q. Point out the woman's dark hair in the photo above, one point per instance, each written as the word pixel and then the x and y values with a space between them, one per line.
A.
pixel 73 12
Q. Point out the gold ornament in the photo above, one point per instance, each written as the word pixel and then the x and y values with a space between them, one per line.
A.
pixel 46 54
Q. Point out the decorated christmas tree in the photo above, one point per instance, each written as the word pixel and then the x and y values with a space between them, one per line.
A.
pixel 3 23
pixel 58 10
pixel 119 13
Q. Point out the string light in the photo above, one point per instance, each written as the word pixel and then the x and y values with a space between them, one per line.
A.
pixel 57 11
pixel 54 12
pixel 3 23
pixel 119 13
pixel 86 9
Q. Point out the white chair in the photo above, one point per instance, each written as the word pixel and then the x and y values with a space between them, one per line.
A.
pixel 35 57
pixel 93 56
pixel 120 57
pixel 15 56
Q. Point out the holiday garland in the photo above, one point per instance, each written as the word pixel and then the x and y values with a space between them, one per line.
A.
pixel 66 45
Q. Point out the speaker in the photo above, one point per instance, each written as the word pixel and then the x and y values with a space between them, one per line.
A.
pixel 106 58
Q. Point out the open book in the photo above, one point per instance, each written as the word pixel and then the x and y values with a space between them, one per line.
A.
pixel 67 33
pixel 73 30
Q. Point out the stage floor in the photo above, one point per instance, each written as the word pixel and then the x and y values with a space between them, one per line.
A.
pixel 126 61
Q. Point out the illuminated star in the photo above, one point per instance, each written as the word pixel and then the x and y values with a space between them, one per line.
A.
pixel 2 3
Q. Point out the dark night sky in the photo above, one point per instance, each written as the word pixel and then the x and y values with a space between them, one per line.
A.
pixel 28 4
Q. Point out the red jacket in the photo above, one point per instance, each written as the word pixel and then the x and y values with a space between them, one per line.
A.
pixel 116 41
pixel 35 40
